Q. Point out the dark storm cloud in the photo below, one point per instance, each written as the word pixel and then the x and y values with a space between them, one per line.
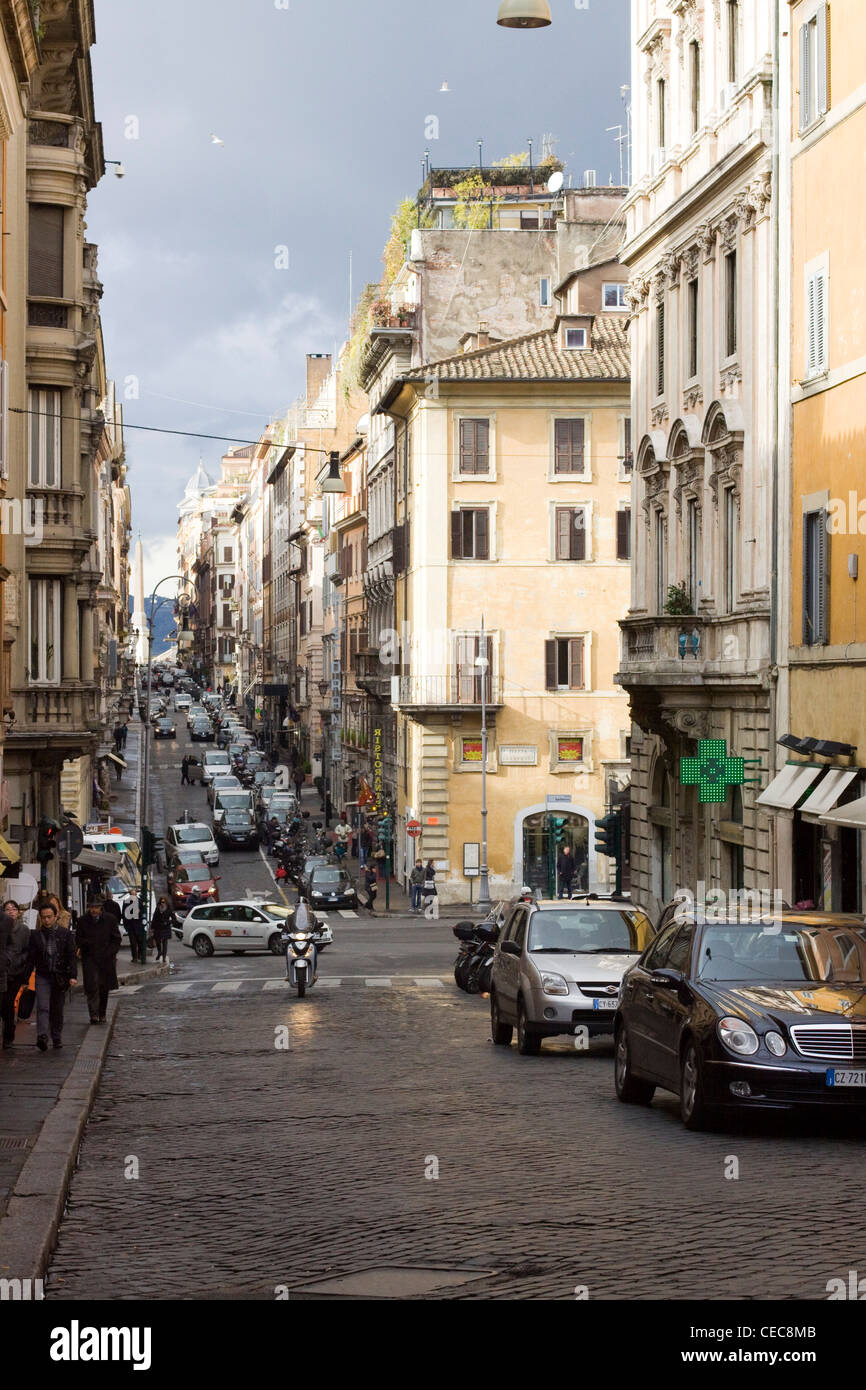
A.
pixel 321 108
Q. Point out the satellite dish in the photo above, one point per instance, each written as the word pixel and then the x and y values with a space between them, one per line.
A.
pixel 555 182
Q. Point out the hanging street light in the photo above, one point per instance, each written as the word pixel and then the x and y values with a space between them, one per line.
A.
pixel 333 482
pixel 524 14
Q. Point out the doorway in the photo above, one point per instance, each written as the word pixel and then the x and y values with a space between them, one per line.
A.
pixel 541 849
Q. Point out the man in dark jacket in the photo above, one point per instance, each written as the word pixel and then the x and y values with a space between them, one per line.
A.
pixel 17 974
pixel 131 910
pixel 565 868
pixel 98 945
pixel 51 954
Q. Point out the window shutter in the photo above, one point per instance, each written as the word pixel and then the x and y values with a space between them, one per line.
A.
pixel 563 528
pixel 575 663
pixel 482 534
pixel 822 623
pixel 822 34
pixel 467 463
pixel 46 251
pixel 660 349
pixel 811 345
pixel 482 446
pixel 804 76
pixel 819 309
pixel 457 535
pixel 623 534
pixel 577 534
pixel 550 664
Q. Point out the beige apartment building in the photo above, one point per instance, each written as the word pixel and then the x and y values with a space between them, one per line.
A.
pixel 517 504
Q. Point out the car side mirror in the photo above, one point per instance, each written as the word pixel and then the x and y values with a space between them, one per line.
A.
pixel 510 948
pixel 670 979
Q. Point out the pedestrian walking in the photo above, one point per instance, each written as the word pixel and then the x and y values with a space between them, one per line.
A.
pixel 429 895
pixel 118 770
pixel 51 953
pixel 365 845
pixel 565 867
pixel 416 883
pixel 299 779
pixel 131 910
pixel 161 924
pixel 184 770
pixel 371 886
pixel 124 733
pixel 342 837
pixel 16 933
pixel 118 737
pixel 379 859
pixel 98 945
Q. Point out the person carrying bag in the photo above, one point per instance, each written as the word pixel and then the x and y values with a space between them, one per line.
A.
pixel 429 896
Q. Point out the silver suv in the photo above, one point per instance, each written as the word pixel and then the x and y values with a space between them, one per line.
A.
pixel 558 965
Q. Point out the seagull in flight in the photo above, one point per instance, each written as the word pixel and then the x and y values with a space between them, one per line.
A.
pixel 445 87
pixel 215 140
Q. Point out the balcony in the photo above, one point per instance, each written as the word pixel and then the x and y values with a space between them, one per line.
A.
pixel 456 691
pixel 52 716
pixel 728 648
pixel 371 674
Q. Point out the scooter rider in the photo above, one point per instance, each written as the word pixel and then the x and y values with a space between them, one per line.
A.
pixel 304 921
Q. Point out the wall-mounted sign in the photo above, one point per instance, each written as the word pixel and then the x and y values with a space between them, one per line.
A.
pixel 712 771
pixel 518 754
pixel 472 750
pixel 471 859
pixel 569 750
pixel 559 799
pixel 432 820
pixel 377 769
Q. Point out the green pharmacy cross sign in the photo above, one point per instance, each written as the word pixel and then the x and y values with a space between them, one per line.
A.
pixel 712 771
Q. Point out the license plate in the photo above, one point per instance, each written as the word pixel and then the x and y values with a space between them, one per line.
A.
pixel 604 1003
pixel 835 1077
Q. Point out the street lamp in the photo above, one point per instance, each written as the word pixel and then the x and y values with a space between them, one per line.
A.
pixel 324 687
pixel 333 482
pixel 524 14
pixel 483 882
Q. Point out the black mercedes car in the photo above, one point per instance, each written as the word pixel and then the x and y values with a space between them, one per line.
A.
pixel 747 1013
pixel 164 728
pixel 237 830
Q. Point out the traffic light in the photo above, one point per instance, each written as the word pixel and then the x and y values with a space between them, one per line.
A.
pixel 46 840
pixel 150 845
pixel 608 835
pixel 559 829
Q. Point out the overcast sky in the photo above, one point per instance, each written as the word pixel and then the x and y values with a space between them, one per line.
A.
pixel 321 106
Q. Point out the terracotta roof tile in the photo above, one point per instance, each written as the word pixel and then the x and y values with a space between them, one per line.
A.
pixel 539 357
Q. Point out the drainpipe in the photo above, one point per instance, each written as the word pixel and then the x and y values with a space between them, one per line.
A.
pixel 779 434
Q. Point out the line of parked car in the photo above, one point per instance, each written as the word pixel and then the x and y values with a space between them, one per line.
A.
pixel 727 1010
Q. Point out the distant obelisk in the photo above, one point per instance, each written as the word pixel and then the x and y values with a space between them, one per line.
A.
pixel 139 616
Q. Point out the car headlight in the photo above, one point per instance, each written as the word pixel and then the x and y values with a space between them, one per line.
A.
pixel 738 1036
pixel 554 984
pixel 776 1044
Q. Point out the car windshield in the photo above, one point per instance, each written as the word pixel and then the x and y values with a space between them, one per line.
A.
pixel 192 834
pixel 237 818
pixel 790 953
pixel 233 800
pixel 313 862
pixel 196 873
pixel 326 876
pixel 589 931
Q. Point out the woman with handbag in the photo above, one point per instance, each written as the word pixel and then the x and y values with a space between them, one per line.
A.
pixel 429 896
pixel 161 924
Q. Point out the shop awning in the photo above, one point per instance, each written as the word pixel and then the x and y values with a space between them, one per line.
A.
pixel 94 860
pixel 116 758
pixel 825 795
pixel 792 783
pixel 853 815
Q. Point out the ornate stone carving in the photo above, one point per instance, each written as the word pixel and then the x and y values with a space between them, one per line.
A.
pixel 729 377
pixel 707 235
pixel 638 291
pixel 688 723
pixel 725 471
pixel 728 229
pixel 693 396
pixel 659 414
pixel 669 268
pixel 690 256
pixel 690 474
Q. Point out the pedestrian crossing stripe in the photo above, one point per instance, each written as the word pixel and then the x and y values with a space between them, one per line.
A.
pixel 324 981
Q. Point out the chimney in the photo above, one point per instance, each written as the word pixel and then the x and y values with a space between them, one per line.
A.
pixel 483 334
pixel 318 367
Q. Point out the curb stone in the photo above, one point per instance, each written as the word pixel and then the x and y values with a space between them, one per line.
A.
pixel 28 1231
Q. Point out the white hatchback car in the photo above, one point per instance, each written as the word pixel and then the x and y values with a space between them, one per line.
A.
pixel 193 835
pixel 248 924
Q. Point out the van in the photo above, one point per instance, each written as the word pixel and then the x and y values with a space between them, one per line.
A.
pixel 216 760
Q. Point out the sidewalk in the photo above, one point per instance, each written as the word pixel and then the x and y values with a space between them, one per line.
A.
pixel 45 1097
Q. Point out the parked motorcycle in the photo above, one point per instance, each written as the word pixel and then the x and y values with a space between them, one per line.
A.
pixel 474 964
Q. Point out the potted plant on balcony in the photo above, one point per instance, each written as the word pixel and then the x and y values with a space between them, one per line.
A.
pixel 678 604
pixel 380 312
